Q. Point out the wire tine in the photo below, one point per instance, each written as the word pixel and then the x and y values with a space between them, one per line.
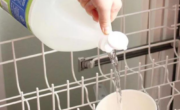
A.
pixel 72 68
pixel 82 90
pixel 165 74
pixel 125 77
pixel 178 65
pixel 44 66
pixel 175 89
pixel 159 96
pixel 87 97
pixel 141 78
pixel 28 106
pixel 45 75
pixel 152 74
pixel 175 30
pixel 139 81
pixel 166 69
pixel 15 67
pixel 74 77
pixel 178 69
pixel 97 86
pixel 125 60
pixel 68 95
pixel 38 100
pixel 94 106
pixel 78 109
pixel 149 37
pixel 172 97
pixel 53 98
pixel 16 73
pixel 22 101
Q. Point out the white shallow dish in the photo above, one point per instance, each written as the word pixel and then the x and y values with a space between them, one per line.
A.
pixel 131 100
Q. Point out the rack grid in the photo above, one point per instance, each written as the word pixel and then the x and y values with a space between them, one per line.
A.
pixel 53 91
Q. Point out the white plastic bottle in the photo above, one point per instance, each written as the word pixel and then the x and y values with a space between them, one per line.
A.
pixel 62 25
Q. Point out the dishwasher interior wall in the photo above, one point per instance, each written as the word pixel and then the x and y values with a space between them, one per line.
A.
pixel 31 71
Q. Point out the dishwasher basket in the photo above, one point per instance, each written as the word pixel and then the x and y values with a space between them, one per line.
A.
pixel 82 85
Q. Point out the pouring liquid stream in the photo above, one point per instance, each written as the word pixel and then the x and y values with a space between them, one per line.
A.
pixel 116 70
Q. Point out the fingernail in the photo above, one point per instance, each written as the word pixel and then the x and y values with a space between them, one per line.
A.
pixel 107 30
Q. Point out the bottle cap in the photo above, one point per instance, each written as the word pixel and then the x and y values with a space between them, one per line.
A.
pixel 114 41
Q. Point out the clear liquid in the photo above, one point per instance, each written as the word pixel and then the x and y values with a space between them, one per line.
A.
pixel 115 66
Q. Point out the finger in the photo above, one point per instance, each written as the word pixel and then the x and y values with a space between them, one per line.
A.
pixel 83 2
pixel 115 9
pixel 95 15
pixel 105 20
pixel 89 7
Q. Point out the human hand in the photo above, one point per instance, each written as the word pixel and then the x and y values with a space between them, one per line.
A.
pixel 102 11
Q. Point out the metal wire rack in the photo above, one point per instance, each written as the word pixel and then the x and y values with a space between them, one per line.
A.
pixel 53 91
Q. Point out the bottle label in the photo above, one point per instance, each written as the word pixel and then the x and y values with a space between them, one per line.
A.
pixel 19 9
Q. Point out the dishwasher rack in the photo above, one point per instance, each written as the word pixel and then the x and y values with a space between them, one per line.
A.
pixel 51 90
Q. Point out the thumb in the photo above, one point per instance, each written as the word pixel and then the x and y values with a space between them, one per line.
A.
pixel 105 20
